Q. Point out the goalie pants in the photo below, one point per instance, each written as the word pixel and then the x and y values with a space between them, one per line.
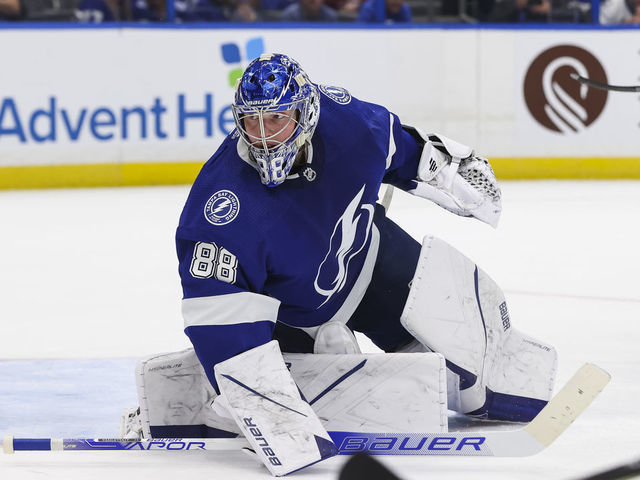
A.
pixel 378 314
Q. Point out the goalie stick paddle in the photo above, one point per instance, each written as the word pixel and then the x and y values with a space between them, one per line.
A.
pixel 552 420
pixel 604 86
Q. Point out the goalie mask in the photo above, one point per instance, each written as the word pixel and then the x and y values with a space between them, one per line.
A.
pixel 276 110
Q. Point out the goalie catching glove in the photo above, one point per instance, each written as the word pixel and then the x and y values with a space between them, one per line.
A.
pixel 452 176
pixel 265 403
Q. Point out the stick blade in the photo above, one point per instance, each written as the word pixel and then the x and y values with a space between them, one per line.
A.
pixel 568 404
pixel 364 467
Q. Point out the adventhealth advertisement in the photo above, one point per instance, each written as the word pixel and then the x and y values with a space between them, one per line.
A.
pixel 124 96
pixel 105 96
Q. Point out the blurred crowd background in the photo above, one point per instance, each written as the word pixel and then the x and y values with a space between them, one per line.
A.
pixel 606 12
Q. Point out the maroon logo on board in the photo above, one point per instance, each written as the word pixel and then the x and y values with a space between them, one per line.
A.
pixel 557 101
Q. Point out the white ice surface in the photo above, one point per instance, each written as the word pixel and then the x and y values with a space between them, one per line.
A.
pixel 88 283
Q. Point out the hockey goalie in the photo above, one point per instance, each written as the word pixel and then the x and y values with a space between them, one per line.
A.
pixel 284 253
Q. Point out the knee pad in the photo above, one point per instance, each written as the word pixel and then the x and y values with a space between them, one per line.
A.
pixel 335 337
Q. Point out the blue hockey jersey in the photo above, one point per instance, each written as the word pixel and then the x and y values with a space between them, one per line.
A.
pixel 301 253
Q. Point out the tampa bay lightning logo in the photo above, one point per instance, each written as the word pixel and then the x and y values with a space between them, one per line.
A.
pixel 222 207
pixel 349 237
pixel 337 94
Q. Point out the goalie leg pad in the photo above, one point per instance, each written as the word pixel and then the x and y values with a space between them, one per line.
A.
pixel 373 393
pixel 456 309
pixel 175 398
pixel 265 402
pixel 369 393
pixel 453 379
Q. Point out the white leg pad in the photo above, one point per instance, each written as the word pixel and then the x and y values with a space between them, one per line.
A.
pixel 174 391
pixel 456 309
pixel 453 380
pixel 374 393
pixel 369 393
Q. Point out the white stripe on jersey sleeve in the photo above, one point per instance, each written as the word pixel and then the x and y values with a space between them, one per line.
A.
pixel 230 309
pixel 392 143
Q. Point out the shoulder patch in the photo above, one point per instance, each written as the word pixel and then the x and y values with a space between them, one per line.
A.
pixel 222 207
pixel 337 94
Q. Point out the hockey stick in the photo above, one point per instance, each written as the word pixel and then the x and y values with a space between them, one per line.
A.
pixel 554 419
pixel 604 86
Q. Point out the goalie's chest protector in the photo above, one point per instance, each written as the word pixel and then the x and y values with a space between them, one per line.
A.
pixel 311 242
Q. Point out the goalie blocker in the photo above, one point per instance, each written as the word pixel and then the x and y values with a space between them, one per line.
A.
pixel 259 394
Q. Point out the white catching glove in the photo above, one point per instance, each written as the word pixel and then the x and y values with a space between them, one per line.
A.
pixel 450 175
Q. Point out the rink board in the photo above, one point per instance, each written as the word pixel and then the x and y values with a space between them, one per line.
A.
pixel 130 106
